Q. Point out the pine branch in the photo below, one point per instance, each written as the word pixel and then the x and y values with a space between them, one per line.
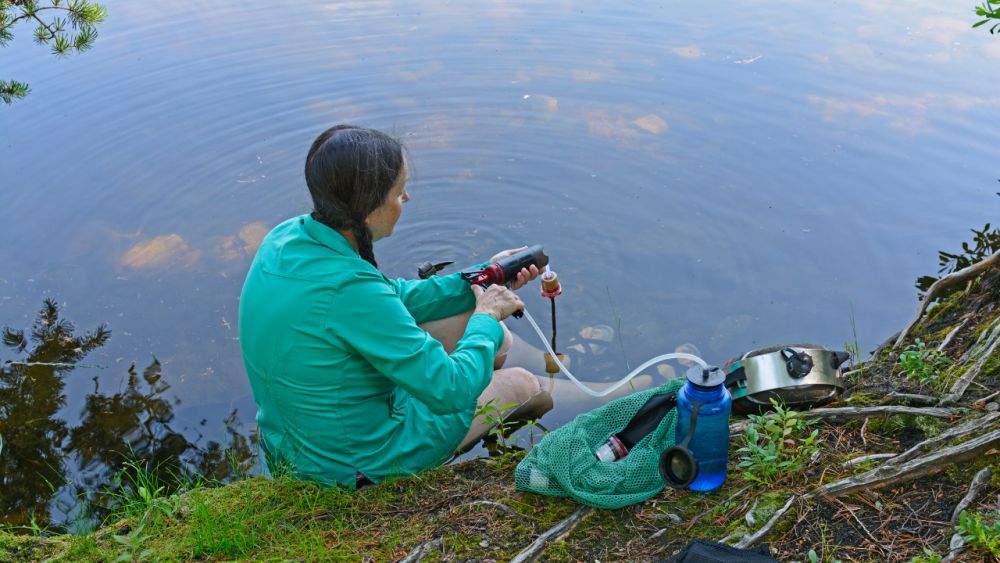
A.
pixel 13 90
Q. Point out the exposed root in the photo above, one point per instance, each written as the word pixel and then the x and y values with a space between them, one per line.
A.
pixel 962 275
pixel 750 540
pixel 951 335
pixel 979 482
pixel 558 532
pixel 866 458
pixel 950 435
pixel 979 346
pixel 892 474
pixel 918 400
pixel 843 414
pixel 962 383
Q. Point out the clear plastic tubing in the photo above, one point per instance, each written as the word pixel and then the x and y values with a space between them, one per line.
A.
pixel 609 390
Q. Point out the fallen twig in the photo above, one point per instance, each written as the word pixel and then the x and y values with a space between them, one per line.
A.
pixel 987 398
pixel 421 551
pixel 747 541
pixel 962 275
pixel 751 521
pixel 902 472
pixel 858 520
pixel 709 511
pixel 865 458
pixel 979 482
pixel 558 532
pixel 510 511
pixel 966 429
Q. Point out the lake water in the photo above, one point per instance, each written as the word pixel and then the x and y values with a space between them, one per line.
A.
pixel 729 178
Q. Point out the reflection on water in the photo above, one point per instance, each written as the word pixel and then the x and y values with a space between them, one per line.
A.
pixel 986 243
pixel 727 189
pixel 84 466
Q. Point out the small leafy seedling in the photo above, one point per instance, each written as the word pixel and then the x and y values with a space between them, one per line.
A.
pixel 922 364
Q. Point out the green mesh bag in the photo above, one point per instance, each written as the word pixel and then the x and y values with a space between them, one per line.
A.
pixel 564 465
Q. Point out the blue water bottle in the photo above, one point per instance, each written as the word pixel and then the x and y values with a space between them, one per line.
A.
pixel 703 405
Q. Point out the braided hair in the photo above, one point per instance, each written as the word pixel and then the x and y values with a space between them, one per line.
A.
pixel 350 172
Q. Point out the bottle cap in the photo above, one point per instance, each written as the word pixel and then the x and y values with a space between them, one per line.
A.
pixel 706 377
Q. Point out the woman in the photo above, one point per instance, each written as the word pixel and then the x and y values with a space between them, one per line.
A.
pixel 348 384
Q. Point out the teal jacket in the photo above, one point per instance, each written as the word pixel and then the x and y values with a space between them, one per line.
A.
pixel 344 379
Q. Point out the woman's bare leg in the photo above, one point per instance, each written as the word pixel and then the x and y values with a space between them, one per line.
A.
pixel 511 386
pixel 450 330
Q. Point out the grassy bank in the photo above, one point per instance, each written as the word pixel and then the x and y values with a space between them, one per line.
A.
pixel 471 511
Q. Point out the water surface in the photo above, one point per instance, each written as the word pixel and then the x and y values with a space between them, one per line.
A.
pixel 728 179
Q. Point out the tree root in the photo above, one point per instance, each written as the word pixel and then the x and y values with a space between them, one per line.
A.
pixel 866 458
pixel 951 335
pixel 979 482
pixel 750 540
pixel 962 383
pixel 843 414
pixel 557 533
pixel 962 275
pixel 918 400
pixel 891 474
pixel 978 347
pixel 421 551
pixel 945 438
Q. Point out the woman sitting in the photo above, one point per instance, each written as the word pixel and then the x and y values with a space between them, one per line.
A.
pixel 355 375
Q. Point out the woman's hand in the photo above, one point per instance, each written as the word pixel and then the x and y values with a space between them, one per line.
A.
pixel 525 275
pixel 497 301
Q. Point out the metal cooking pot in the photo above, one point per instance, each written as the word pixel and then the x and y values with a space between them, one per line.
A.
pixel 797 375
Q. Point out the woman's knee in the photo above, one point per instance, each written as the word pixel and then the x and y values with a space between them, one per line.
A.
pixel 523 383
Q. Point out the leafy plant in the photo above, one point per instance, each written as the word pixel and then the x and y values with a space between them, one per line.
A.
pixel 495 415
pixel 921 363
pixel 132 541
pixel 80 15
pixel 773 449
pixel 979 534
pixel 989 12
pixel 928 557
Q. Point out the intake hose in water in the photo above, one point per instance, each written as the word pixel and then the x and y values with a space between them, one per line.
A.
pixel 611 389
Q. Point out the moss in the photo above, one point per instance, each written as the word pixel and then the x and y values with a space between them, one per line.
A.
pixel 931 426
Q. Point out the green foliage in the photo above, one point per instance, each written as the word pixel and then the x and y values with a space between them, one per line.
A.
pixel 74 32
pixel 494 414
pixel 989 12
pixel 921 363
pixel 773 448
pixel 980 535
pixel 928 557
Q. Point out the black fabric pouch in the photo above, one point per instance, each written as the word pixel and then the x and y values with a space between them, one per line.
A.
pixel 705 551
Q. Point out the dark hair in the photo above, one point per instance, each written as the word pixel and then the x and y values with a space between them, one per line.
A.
pixel 350 172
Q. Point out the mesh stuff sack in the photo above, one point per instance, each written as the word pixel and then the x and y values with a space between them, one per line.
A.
pixel 563 464
pixel 705 551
